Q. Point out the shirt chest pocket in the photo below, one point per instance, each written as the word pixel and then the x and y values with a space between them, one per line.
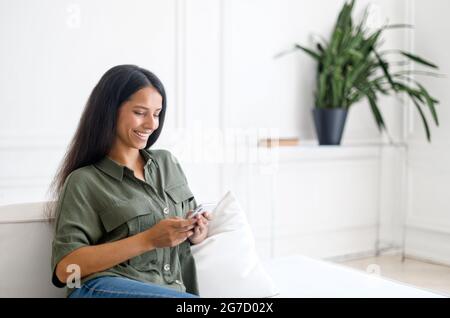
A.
pixel 180 195
pixel 135 217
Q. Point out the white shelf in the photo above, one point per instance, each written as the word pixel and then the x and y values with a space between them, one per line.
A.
pixel 311 151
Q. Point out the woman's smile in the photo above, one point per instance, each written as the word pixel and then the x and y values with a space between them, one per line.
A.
pixel 141 135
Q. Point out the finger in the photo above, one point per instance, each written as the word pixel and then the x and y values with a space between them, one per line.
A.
pixel 183 236
pixel 201 229
pixel 185 223
pixel 185 228
pixel 207 216
pixel 189 213
pixel 205 220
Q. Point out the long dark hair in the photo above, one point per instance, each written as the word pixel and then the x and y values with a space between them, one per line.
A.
pixel 96 130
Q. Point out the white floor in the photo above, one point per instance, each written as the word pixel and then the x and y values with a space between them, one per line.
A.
pixel 414 272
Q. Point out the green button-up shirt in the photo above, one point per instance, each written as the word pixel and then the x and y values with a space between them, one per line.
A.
pixel 105 202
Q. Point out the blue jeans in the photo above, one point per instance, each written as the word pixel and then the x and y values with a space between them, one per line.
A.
pixel 120 287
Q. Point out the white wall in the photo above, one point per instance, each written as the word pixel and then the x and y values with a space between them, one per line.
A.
pixel 428 219
pixel 215 58
pixel 53 53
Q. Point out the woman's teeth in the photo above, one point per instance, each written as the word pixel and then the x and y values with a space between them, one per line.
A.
pixel 141 134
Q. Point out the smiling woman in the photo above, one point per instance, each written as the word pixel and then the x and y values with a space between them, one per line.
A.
pixel 141 123
pixel 135 124
pixel 108 112
pixel 121 227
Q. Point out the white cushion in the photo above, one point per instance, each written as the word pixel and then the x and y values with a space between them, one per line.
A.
pixel 227 262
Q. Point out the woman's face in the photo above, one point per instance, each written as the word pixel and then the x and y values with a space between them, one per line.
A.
pixel 138 118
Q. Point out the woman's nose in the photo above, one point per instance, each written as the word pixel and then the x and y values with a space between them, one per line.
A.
pixel 152 123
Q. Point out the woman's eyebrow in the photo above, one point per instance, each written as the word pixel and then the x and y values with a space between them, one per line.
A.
pixel 146 108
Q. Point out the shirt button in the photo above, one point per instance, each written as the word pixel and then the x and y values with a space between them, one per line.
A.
pixel 166 210
pixel 167 267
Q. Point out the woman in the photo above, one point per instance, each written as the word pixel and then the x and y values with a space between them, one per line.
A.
pixel 121 214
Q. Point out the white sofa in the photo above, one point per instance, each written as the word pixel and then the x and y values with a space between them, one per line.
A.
pixel 25 251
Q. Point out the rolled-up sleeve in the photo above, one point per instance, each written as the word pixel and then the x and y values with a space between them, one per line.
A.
pixel 77 222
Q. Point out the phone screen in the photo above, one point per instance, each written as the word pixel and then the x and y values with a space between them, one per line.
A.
pixel 205 207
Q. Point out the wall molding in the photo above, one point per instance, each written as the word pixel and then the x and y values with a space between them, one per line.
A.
pixel 428 245
pixel 36 141
pixel 29 182
pixel 180 63
pixel 420 223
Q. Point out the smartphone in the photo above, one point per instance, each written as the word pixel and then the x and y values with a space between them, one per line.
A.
pixel 204 207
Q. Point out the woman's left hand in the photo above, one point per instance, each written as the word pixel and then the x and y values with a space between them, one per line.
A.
pixel 201 228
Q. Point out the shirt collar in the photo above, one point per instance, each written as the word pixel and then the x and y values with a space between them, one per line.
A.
pixel 116 170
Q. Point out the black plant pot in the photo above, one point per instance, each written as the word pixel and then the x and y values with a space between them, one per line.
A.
pixel 330 124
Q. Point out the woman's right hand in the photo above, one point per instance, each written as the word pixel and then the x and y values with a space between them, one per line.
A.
pixel 169 232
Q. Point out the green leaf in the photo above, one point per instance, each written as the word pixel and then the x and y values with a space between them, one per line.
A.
pixel 322 89
pixel 310 52
pixel 424 119
pixel 336 41
pixel 356 55
pixel 344 18
pixel 376 112
pixel 378 86
pixel 419 60
pixel 370 43
pixel 384 67
pixel 367 91
pixel 430 102
pixel 320 48
pixel 411 80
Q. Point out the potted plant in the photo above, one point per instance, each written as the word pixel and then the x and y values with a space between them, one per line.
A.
pixel 352 67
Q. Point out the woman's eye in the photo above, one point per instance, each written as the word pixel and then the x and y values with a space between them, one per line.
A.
pixel 138 113
pixel 156 115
